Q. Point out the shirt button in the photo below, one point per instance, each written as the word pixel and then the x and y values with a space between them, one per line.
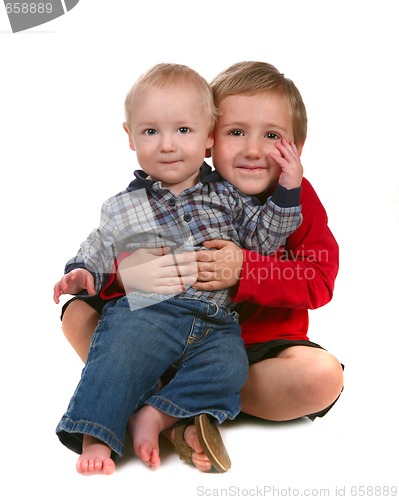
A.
pixel 172 202
pixel 187 217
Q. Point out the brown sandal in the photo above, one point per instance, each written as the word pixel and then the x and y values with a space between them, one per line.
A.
pixel 210 440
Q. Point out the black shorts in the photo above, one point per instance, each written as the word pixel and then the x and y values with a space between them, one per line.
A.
pixel 94 301
pixel 271 349
pixel 267 350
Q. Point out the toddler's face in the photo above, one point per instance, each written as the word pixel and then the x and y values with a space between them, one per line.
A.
pixel 169 131
pixel 247 131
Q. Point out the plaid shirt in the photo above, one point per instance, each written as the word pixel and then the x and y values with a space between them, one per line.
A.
pixel 148 215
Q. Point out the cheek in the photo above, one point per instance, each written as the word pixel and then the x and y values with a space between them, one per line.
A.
pixel 274 172
pixel 143 156
pixel 222 166
pixel 222 157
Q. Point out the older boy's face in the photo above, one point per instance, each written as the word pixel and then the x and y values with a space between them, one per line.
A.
pixel 247 131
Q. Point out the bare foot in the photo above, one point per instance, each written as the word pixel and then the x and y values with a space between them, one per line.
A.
pixel 95 458
pixel 144 428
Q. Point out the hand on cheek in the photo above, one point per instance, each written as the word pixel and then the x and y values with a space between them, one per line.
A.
pixel 289 162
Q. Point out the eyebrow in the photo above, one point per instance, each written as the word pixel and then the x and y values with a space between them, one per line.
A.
pixel 177 123
pixel 238 124
pixel 274 126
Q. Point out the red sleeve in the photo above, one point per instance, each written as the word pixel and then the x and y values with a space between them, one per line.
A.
pixel 111 289
pixel 302 274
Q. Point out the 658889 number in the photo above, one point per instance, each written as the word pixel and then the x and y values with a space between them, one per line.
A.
pixel 373 491
pixel 29 8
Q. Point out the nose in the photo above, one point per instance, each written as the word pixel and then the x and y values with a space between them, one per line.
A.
pixel 167 143
pixel 252 148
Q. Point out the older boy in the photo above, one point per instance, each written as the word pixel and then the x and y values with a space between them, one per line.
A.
pixel 289 376
pixel 170 118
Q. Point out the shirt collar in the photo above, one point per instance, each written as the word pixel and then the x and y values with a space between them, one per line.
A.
pixel 207 175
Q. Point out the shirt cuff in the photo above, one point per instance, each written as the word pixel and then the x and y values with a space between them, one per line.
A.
pixel 286 198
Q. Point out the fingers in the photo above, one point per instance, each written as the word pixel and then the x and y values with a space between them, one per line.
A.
pixel 186 270
pixel 207 286
pixel 164 286
pixel 217 244
pixel 289 162
pixel 62 287
pixel 57 293
pixel 166 275
pixel 287 148
pixel 288 153
pixel 143 255
pixel 158 252
pixel 175 259
pixel 181 259
pixel 175 285
pixel 179 271
pixel 172 265
pixel 73 282
pixel 205 256
pixel 208 271
pixel 90 285
pixel 211 255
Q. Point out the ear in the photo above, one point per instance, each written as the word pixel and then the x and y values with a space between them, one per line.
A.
pixel 209 143
pixel 300 147
pixel 131 143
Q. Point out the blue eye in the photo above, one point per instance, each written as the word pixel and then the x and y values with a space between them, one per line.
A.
pixel 183 130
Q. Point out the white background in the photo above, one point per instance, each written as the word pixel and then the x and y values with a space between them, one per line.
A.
pixel 63 152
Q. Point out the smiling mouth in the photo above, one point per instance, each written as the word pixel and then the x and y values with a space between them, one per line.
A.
pixel 250 168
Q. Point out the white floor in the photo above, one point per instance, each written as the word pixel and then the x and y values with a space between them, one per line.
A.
pixel 353 446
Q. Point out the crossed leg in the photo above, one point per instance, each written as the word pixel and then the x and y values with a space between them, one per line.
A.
pixel 300 381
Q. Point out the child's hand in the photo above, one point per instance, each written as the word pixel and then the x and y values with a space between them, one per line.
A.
pixel 74 282
pixel 290 163
pixel 220 267
pixel 157 271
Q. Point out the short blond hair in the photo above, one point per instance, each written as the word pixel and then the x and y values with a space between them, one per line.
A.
pixel 168 74
pixel 253 77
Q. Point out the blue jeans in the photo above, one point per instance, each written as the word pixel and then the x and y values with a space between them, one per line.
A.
pixel 131 350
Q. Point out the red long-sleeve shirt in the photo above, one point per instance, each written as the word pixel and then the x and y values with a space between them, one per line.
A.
pixel 275 292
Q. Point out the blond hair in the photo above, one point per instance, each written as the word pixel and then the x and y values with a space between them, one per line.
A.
pixel 253 77
pixel 168 74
